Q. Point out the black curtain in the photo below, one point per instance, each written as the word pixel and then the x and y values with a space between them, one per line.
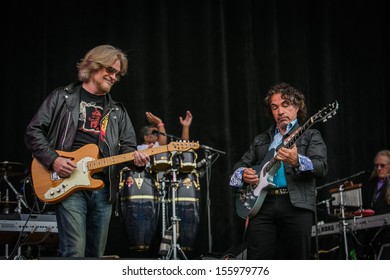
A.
pixel 217 59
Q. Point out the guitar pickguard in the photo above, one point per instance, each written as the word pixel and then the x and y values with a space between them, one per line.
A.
pixel 79 177
pixel 251 197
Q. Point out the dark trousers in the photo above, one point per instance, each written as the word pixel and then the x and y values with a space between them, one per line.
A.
pixel 280 231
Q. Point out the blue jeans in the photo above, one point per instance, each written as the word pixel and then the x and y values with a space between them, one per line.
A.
pixel 83 221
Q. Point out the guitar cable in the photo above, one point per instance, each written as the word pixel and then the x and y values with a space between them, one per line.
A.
pixel 19 242
pixel 244 235
pixel 27 180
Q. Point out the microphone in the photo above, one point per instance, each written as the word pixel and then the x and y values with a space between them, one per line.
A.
pixel 158 132
pixel 212 149
pixel 327 203
pixel 203 162
pixel 173 137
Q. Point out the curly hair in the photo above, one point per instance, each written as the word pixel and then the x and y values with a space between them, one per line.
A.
pixel 290 94
pixel 98 57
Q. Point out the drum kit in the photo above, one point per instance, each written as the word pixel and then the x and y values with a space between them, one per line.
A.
pixel 166 195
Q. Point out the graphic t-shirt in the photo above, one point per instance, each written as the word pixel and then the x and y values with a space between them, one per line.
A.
pixel 91 113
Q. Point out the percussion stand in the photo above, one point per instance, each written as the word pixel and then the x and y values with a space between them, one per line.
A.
pixel 163 202
pixel 174 184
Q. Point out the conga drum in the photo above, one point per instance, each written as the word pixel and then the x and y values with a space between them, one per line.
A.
pixel 187 209
pixel 160 162
pixel 188 161
pixel 139 208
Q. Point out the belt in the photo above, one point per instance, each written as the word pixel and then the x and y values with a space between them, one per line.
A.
pixel 278 191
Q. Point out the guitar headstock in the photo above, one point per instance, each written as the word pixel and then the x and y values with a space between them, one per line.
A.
pixel 183 146
pixel 326 113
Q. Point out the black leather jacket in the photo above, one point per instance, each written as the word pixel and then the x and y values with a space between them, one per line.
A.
pixel 54 126
pixel 301 185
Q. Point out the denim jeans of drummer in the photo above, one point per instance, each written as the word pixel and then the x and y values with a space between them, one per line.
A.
pixel 83 221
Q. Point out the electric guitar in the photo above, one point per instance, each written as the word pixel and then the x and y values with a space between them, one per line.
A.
pixel 250 198
pixel 51 188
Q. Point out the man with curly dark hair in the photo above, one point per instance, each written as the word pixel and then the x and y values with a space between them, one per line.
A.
pixel 281 227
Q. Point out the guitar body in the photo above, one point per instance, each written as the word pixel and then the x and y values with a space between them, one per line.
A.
pixel 50 188
pixel 251 197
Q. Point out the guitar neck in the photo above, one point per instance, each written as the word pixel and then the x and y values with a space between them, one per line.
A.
pixel 104 162
pixel 290 141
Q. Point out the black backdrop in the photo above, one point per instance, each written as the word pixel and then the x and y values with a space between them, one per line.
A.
pixel 216 58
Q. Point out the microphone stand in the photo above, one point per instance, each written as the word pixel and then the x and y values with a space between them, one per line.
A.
pixel 342 180
pixel 208 156
pixel 317 254
pixel 343 221
pixel 208 201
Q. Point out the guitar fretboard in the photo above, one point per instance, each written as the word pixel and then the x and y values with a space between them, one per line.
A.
pixel 175 146
pixel 289 141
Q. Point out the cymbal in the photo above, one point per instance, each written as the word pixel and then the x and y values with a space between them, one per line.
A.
pixel 11 168
pixel 346 188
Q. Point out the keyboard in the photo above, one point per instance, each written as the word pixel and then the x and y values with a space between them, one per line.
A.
pixel 357 223
pixel 34 223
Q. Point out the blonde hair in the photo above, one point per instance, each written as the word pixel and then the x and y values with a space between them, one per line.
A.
pixel 98 57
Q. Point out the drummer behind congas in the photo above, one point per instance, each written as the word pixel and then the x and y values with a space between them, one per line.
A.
pixel 159 139
pixel 147 135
